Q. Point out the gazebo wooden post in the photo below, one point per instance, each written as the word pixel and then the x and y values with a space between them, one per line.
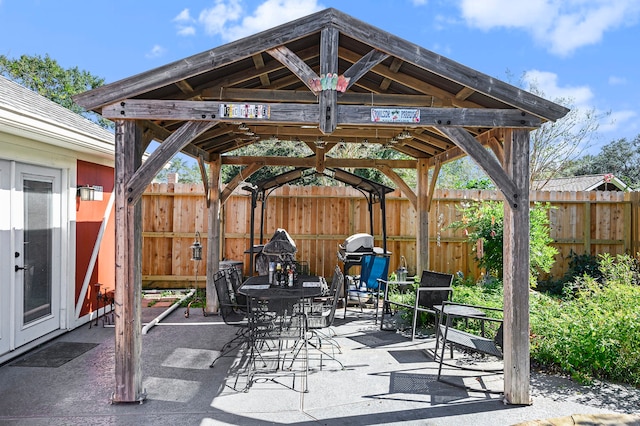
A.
pixel 422 237
pixel 128 278
pixel 516 271
pixel 213 233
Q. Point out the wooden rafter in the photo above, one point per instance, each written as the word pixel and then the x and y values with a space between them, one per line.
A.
pixel 485 160
pixel 296 65
pixel 242 175
pixel 156 161
pixel 406 189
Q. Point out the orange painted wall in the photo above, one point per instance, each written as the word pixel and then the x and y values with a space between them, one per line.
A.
pixel 89 218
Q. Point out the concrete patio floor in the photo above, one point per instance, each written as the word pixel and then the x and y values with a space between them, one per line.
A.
pixel 387 380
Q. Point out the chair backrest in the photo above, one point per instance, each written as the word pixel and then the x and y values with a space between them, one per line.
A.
pixel 234 281
pixel 225 302
pixel 336 286
pixel 434 279
pixel 373 268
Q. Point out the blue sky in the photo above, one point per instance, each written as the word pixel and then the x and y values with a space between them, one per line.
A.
pixel 583 50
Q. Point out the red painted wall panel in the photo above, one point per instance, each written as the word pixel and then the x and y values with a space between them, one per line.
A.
pixel 89 218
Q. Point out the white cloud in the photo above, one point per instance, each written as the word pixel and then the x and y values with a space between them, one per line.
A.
pixel 184 23
pixel 562 25
pixel 155 52
pixel 183 16
pixel 547 83
pixel 216 18
pixel 616 81
pixel 419 2
pixel 231 22
pixel 187 31
pixel 582 99
pixel 625 119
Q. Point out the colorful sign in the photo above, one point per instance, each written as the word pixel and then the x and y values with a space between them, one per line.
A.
pixel 395 115
pixel 244 111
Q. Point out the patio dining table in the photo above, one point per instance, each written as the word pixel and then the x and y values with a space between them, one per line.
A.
pixel 277 315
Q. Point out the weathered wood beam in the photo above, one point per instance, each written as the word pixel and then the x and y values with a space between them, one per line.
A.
pixel 464 93
pixel 320 158
pixel 456 152
pixel 394 67
pixel 158 158
pixel 356 71
pixel 450 117
pixel 258 62
pixel 497 149
pixel 422 212
pixel 328 99
pixel 242 175
pixel 200 63
pixel 128 268
pixel 516 273
pixel 400 183
pixel 213 233
pixel 269 161
pixel 485 160
pixel 432 185
pixel 186 88
pixel 296 65
pixel 232 94
pixel 135 109
pixel 205 180
pixel 311 162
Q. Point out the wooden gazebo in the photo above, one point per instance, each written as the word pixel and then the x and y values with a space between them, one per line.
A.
pixel 382 89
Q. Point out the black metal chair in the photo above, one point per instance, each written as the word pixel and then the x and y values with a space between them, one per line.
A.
pixel 449 335
pixel 232 313
pixel 433 290
pixel 322 315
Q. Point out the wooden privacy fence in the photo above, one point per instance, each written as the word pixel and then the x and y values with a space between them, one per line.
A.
pixel 319 218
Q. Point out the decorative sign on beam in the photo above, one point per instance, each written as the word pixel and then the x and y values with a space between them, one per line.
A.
pixel 395 115
pixel 244 111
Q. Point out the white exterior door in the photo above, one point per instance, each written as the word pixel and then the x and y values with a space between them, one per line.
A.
pixel 32 272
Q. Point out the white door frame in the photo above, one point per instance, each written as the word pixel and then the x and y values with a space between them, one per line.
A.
pixel 23 329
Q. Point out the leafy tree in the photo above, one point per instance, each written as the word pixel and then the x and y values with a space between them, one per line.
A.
pixel 484 221
pixel 45 76
pixel 620 157
pixel 463 173
pixel 187 173
pixel 555 145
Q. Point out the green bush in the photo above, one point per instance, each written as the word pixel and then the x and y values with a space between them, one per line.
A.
pixel 484 221
pixel 579 265
pixel 591 332
pixel 594 334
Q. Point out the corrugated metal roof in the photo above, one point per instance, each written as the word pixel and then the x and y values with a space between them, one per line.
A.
pixel 23 101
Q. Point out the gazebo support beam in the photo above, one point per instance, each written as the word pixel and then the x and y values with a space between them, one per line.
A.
pixel 128 264
pixel 213 232
pixel 516 272
pixel 422 237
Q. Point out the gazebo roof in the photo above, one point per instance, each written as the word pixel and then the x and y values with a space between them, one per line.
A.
pixel 273 72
